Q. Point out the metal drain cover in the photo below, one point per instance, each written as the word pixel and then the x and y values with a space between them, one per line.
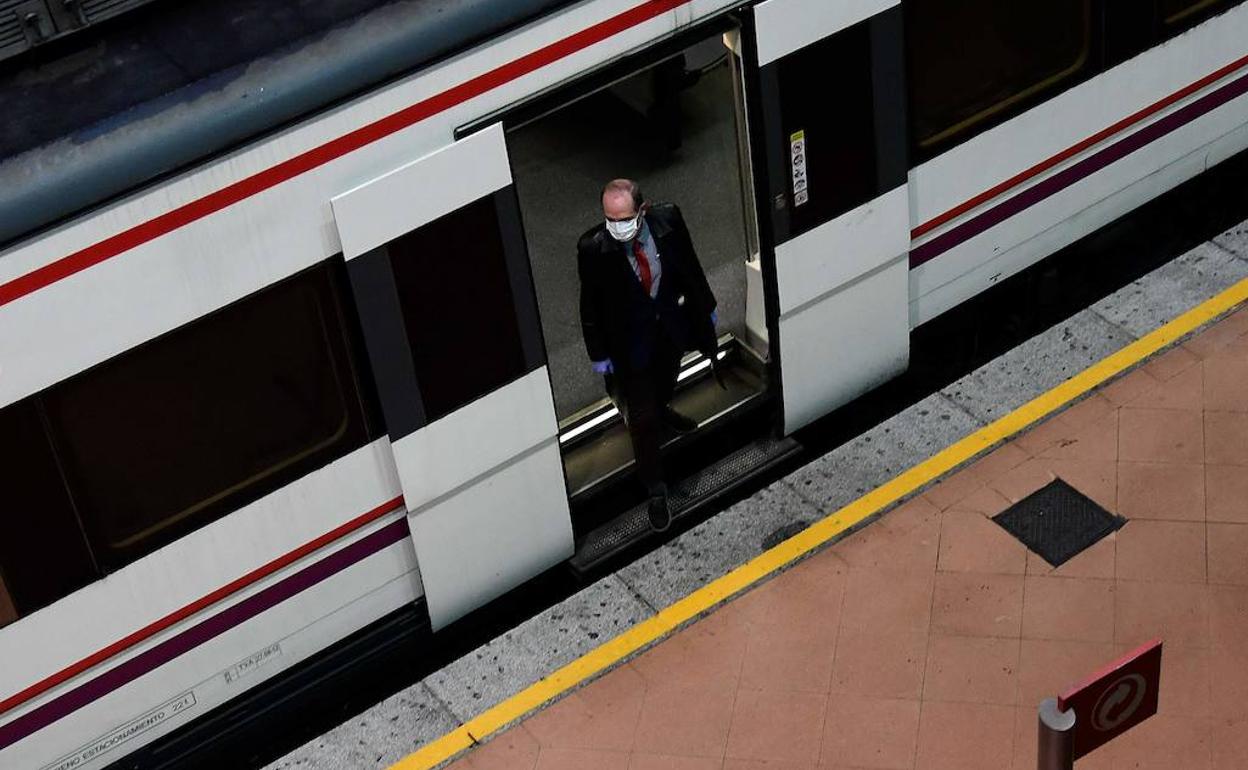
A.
pixel 1058 522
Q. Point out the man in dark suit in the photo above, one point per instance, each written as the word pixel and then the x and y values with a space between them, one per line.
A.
pixel 644 302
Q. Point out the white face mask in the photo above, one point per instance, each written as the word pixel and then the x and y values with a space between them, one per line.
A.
pixel 626 230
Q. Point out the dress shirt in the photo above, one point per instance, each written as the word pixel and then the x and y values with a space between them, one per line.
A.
pixel 652 254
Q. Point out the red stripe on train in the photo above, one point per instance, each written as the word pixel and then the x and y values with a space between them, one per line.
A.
pixel 222 593
pixel 1070 152
pixel 331 150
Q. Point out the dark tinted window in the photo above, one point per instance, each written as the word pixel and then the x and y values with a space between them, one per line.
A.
pixel 974 63
pixel 1129 28
pixel 460 295
pixel 183 429
pixel 826 122
pixel 7 613
pixel 42 552
pixel 1178 15
pixel 1134 26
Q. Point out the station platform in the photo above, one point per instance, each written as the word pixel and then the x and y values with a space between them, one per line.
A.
pixel 865 611
pixel 927 639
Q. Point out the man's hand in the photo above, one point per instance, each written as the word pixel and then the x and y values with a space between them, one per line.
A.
pixel 603 367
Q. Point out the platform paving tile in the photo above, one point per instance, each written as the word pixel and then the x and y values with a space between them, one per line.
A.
pixel 926 639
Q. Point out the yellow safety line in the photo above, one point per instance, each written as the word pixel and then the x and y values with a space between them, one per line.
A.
pixel 819 533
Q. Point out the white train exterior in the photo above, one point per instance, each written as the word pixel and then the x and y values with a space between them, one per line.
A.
pixel 456 507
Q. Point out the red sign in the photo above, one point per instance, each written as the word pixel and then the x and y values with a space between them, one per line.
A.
pixel 1114 699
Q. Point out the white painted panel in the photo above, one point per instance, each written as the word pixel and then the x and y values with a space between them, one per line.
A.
pixel 999 153
pixel 836 349
pixel 940 285
pixel 197 564
pixel 783 26
pixel 857 242
pixel 475 439
pixel 122 302
pixel 200 267
pixel 419 192
pixel 302 625
pixel 1060 219
pixel 488 538
pixel 755 304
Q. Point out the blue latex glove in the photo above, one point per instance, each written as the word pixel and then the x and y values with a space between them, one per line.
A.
pixel 714 318
pixel 603 367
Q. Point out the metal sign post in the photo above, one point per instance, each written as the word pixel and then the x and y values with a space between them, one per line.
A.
pixel 1057 737
pixel 1100 708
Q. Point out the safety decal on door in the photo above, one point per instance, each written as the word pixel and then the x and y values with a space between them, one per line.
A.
pixel 797 155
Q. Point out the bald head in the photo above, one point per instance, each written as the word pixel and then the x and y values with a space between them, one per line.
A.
pixel 621 199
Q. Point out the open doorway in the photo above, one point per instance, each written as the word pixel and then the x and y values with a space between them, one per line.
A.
pixel 675 124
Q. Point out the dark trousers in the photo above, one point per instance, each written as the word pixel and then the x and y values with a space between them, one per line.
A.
pixel 642 393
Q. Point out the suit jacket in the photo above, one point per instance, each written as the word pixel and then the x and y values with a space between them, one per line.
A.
pixel 618 316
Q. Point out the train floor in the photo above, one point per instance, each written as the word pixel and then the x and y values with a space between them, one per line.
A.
pixel 916 624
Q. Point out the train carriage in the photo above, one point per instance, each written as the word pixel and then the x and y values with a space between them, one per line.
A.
pixel 286 353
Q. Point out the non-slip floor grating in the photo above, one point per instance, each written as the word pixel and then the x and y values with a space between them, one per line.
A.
pixel 1058 522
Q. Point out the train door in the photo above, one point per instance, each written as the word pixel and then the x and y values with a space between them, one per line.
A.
pixel 437 261
pixel 828 133
pixel 669 116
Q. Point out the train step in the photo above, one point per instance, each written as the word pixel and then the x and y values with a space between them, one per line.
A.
pixel 686 498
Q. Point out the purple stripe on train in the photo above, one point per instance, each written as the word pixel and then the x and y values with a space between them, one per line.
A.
pixel 1076 172
pixel 231 617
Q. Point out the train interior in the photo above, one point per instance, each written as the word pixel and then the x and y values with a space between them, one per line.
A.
pixel 675 123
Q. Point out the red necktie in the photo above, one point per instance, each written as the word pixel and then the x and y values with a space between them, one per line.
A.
pixel 643 265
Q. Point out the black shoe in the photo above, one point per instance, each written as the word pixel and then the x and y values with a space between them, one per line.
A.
pixel 660 515
pixel 677 421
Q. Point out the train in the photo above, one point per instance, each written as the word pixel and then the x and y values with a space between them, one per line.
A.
pixel 284 340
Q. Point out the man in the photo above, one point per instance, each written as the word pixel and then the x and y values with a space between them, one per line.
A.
pixel 644 302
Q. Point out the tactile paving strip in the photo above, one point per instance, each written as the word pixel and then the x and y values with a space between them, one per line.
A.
pixel 1057 522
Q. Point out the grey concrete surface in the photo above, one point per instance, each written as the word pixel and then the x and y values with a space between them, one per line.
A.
pixel 1235 240
pixel 520 657
pixel 1037 365
pixel 872 458
pixel 538 646
pixel 560 164
pixel 379 737
pixel 1173 288
pixel 733 536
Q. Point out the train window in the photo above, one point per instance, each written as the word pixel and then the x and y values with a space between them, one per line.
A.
pixel 1177 15
pixel 1132 27
pixel 1128 29
pixel 43 555
pixel 975 63
pixel 460 294
pixel 187 427
pixel 8 613
pixel 838 133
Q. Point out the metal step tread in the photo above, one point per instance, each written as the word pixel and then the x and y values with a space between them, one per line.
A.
pixel 685 498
